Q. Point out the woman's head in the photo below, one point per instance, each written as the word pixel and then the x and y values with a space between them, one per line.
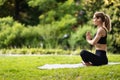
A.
pixel 102 18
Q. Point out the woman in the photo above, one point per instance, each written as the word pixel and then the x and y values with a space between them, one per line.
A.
pixel 102 21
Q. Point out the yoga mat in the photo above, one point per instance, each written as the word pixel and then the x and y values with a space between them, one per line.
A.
pixel 58 66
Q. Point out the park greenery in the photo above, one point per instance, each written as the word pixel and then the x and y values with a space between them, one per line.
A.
pixel 26 68
pixel 55 24
pixel 34 32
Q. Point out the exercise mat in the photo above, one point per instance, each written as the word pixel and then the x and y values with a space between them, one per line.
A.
pixel 58 66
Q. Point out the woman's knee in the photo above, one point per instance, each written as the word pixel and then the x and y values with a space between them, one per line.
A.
pixel 83 52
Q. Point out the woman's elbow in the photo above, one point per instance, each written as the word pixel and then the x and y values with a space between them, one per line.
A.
pixel 93 43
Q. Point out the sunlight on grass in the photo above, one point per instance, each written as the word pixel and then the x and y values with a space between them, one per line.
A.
pixel 25 68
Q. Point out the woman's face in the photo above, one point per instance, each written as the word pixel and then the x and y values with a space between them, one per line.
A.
pixel 96 21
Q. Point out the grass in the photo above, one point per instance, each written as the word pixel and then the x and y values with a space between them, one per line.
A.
pixel 25 68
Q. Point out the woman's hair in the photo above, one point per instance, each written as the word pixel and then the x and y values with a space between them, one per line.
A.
pixel 105 19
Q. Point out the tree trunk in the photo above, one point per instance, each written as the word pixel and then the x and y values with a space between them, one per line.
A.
pixel 16 14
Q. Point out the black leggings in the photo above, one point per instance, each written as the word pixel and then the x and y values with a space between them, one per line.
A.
pixel 99 58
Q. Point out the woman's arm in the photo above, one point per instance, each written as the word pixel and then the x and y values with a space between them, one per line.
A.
pixel 95 39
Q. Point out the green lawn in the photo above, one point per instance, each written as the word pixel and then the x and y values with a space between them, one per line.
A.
pixel 25 68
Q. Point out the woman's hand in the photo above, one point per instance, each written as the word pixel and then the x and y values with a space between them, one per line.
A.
pixel 88 36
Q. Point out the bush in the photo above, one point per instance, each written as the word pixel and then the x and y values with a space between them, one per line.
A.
pixel 78 38
pixel 14 34
pixel 34 51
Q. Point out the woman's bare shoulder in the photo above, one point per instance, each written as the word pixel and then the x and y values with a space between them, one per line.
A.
pixel 101 31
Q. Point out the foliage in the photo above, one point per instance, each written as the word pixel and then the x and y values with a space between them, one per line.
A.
pixel 57 11
pixel 35 51
pixel 52 33
pixel 14 34
pixel 42 4
pixel 91 6
pixel 2 2
pixel 78 38
pixel 51 23
pixel 21 10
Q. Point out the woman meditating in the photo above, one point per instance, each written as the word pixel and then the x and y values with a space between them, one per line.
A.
pixel 99 41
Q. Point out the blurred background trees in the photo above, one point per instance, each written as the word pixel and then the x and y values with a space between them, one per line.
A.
pixel 55 23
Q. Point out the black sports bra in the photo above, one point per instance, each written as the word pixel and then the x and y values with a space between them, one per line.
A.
pixel 103 40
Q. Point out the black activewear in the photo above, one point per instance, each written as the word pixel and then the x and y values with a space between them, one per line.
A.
pixel 103 40
pixel 99 58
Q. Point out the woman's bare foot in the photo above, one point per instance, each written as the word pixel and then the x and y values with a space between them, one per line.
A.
pixel 87 64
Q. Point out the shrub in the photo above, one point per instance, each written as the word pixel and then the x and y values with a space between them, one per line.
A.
pixel 78 38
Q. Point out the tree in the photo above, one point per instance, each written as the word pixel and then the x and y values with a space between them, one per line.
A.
pixel 20 11
pixel 112 7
